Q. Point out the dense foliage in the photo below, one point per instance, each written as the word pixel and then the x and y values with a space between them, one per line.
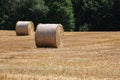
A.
pixel 78 15
pixel 61 11
pixel 97 14
pixel 15 10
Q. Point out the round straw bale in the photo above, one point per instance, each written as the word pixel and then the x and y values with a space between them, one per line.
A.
pixel 49 35
pixel 24 28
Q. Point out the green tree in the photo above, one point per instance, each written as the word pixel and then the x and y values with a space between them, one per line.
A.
pixel 78 14
pixel 34 10
pixel 7 9
pixel 95 13
pixel 14 10
pixel 116 14
pixel 61 11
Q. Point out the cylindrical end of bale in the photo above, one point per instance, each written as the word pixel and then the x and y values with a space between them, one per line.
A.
pixel 49 35
pixel 24 28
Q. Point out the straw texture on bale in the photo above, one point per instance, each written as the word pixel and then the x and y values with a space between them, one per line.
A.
pixel 49 35
pixel 24 28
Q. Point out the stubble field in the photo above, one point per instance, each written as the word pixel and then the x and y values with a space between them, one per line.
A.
pixel 84 56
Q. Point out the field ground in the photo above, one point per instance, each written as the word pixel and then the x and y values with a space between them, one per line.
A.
pixel 85 56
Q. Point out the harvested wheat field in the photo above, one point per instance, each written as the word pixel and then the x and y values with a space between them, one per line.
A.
pixel 85 56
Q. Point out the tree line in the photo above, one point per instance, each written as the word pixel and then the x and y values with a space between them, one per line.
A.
pixel 75 15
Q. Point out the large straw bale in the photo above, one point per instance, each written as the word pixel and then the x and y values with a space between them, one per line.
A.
pixel 49 35
pixel 24 28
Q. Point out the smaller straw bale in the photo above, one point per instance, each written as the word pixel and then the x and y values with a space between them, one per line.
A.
pixel 24 28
